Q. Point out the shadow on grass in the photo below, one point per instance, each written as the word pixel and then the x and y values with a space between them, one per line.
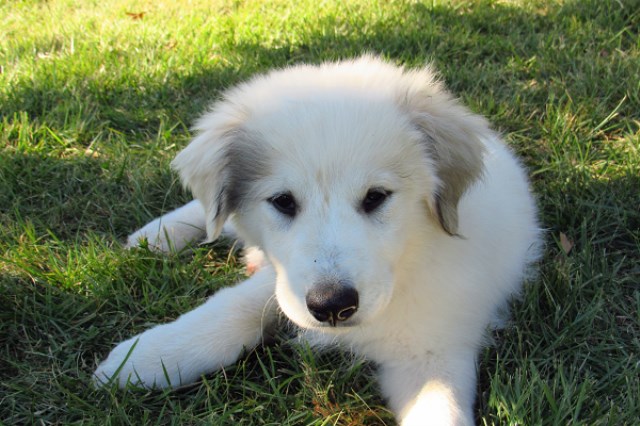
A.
pixel 76 195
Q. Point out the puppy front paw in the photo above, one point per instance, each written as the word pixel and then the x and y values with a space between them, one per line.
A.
pixel 138 361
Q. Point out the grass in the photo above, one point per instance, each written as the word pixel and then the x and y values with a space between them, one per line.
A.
pixel 97 97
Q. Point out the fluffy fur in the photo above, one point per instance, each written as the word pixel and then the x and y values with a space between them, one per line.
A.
pixel 451 234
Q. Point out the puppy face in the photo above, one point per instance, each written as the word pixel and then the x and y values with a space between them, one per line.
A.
pixel 335 171
pixel 336 205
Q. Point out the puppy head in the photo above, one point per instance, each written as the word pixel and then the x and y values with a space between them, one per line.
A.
pixel 336 172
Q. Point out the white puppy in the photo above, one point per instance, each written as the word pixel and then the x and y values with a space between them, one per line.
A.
pixel 393 221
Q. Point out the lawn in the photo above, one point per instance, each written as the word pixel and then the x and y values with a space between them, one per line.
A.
pixel 96 97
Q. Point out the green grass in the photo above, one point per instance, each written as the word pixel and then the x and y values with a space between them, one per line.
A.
pixel 94 104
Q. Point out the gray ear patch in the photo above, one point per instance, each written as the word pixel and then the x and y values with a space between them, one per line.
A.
pixel 452 137
pixel 220 168
pixel 458 164
pixel 247 161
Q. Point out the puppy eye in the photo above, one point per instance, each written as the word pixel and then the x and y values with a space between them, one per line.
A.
pixel 374 199
pixel 284 203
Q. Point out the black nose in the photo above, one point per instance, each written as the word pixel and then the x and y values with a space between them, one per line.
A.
pixel 332 301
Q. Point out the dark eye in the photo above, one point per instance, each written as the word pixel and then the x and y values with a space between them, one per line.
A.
pixel 284 203
pixel 374 199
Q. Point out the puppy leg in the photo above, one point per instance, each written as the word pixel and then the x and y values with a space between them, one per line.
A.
pixel 208 338
pixel 174 230
pixel 438 390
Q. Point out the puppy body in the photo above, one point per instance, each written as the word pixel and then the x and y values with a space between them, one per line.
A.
pixel 362 178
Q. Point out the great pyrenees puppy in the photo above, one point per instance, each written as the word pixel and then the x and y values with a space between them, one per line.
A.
pixel 393 221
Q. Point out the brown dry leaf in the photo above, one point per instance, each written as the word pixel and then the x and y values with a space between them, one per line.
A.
pixel 136 15
pixel 91 153
pixel 565 243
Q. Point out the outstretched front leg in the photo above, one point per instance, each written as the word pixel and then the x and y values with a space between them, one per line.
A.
pixel 206 339
pixel 436 390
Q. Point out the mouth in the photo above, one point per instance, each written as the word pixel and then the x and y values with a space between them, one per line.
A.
pixel 332 325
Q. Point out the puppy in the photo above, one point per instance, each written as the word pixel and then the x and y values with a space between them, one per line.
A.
pixel 393 221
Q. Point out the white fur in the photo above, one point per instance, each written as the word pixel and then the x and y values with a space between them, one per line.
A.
pixel 327 135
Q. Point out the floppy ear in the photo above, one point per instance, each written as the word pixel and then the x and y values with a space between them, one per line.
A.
pixel 452 138
pixel 219 164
